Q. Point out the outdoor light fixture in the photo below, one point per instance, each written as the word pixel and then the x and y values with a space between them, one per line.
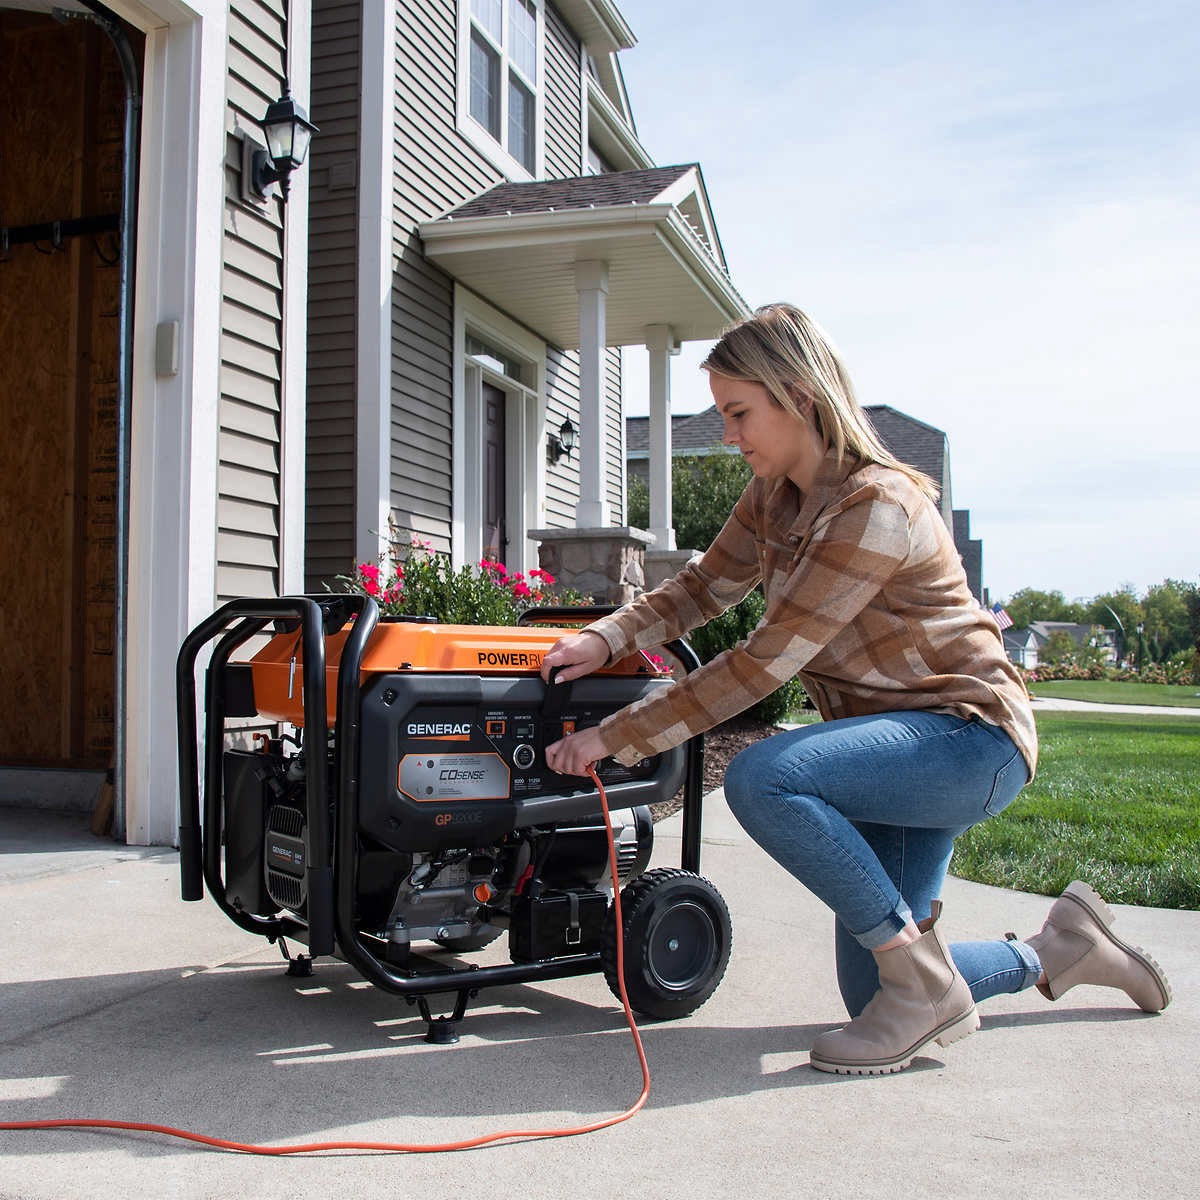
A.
pixel 288 132
pixel 562 443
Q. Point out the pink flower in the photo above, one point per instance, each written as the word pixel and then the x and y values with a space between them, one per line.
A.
pixel 544 576
pixel 369 571
pixel 521 590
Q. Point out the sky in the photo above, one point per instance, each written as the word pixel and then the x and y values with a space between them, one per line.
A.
pixel 993 209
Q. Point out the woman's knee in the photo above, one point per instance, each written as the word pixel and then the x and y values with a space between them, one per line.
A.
pixel 752 773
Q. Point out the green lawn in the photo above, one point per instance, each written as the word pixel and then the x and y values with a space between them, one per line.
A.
pixel 1098 691
pixel 1116 802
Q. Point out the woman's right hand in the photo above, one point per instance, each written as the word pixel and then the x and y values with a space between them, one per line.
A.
pixel 575 655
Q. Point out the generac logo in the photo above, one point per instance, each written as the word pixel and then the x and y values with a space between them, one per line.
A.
pixel 438 729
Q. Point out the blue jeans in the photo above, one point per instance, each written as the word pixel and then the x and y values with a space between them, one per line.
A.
pixel 864 812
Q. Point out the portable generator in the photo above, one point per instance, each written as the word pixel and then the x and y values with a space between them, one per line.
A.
pixel 399 813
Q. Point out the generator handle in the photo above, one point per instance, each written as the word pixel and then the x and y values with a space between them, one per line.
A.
pixel 347 770
pixel 253 613
pixel 693 780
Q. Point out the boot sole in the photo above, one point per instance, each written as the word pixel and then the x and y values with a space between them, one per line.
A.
pixel 953 1031
pixel 1089 899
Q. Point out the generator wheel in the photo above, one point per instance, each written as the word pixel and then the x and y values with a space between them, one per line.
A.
pixel 677 936
pixel 470 941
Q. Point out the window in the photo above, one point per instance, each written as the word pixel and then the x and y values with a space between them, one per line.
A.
pixel 500 80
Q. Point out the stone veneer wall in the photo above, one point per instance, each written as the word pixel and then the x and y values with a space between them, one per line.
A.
pixel 607 564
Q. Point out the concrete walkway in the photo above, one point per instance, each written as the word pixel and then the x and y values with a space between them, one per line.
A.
pixel 117 1000
pixel 1053 704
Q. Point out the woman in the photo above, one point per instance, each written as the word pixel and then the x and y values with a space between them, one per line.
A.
pixel 927 726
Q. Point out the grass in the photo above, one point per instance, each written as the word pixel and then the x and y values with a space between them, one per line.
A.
pixel 1116 802
pixel 1099 691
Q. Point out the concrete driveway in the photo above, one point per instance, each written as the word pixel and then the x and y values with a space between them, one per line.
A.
pixel 117 1000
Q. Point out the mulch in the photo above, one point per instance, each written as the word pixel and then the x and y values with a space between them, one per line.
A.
pixel 720 746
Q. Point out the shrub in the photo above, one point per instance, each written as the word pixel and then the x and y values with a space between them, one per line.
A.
pixel 726 631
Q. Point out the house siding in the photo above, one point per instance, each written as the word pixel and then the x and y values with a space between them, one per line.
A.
pixel 563 99
pixel 435 168
pixel 562 401
pixel 332 277
pixel 249 452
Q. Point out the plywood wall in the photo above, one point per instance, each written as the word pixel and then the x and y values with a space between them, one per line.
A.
pixel 60 156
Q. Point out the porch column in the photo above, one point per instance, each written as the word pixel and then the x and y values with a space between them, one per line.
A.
pixel 661 343
pixel 591 282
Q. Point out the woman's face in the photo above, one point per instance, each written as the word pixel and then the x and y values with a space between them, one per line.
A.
pixel 772 441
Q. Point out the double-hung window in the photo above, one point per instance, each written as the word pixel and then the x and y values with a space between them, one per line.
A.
pixel 500 66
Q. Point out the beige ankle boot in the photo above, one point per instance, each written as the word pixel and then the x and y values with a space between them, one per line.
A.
pixel 1077 945
pixel 922 998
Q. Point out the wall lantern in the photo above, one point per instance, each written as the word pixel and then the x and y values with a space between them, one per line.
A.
pixel 562 443
pixel 288 132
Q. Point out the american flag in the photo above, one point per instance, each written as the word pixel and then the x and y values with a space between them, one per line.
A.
pixel 1002 618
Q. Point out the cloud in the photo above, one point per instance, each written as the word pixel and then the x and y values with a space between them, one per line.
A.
pixel 993 211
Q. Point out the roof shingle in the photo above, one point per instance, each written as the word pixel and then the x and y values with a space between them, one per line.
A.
pixel 584 191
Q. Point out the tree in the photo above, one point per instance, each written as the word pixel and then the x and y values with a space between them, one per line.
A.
pixel 1120 610
pixel 1029 604
pixel 1059 647
pixel 1165 611
pixel 703 492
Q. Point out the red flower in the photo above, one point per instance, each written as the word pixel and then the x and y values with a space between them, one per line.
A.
pixel 521 590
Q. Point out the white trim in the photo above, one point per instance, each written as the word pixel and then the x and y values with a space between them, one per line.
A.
pixel 599 24
pixel 293 386
pixel 444 238
pixel 584 135
pixel 525 421
pixel 173 462
pixel 492 149
pixel 373 417
pixel 609 132
pixel 591 284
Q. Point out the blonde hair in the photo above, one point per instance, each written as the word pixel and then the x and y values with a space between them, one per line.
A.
pixel 788 353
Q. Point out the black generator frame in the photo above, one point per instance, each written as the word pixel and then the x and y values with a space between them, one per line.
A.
pixel 332 863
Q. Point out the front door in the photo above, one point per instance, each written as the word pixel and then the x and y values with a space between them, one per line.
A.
pixel 495 488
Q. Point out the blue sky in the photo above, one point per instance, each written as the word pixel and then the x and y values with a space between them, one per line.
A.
pixel 994 210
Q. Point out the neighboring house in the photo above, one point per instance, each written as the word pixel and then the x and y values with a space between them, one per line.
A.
pixel 1021 646
pixel 1081 635
pixel 486 233
pixel 912 441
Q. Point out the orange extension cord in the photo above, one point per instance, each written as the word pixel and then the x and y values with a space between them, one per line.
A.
pixel 411 1147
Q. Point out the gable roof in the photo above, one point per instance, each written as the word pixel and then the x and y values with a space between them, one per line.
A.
pixel 914 442
pixel 911 441
pixel 691 433
pixel 518 244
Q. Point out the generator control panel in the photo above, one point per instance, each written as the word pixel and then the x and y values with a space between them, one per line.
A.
pixel 463 756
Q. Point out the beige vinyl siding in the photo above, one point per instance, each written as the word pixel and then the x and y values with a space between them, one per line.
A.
pixel 562 400
pixel 248 473
pixel 435 169
pixel 562 97
pixel 332 290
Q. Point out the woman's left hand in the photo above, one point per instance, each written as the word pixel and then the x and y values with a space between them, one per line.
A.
pixel 576 752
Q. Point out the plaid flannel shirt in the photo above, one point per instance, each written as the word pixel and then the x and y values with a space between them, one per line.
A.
pixel 866 602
